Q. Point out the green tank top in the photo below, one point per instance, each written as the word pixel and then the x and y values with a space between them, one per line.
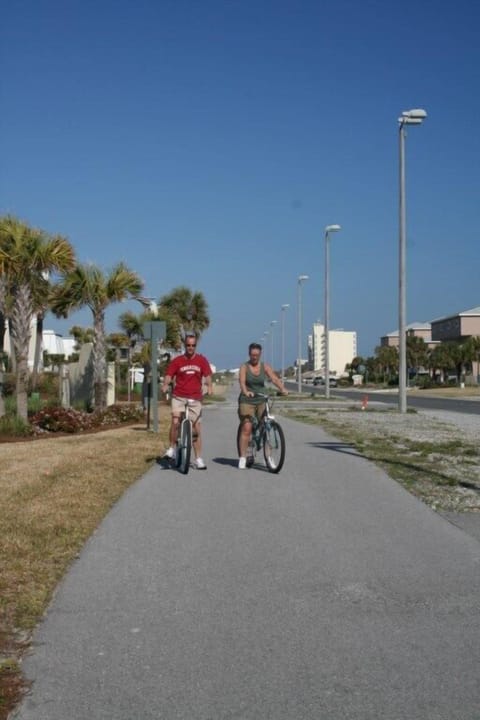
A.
pixel 254 383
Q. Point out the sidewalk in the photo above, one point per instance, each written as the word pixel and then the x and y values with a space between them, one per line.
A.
pixel 326 591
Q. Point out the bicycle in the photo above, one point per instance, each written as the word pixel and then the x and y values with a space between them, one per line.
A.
pixel 268 435
pixel 184 440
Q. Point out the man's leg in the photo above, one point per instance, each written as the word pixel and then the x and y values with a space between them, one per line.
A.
pixel 174 426
pixel 197 438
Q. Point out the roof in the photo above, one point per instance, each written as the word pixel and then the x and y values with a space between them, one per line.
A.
pixel 412 326
pixel 472 312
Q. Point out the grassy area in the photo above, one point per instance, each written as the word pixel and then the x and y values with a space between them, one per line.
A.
pixel 434 460
pixel 53 493
pixel 448 392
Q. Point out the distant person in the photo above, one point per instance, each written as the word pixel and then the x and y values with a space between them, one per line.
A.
pixel 187 372
pixel 252 378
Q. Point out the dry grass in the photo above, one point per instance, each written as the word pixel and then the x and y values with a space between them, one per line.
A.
pixel 53 493
pixel 449 392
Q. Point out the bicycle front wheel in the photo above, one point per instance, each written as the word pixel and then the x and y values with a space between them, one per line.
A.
pixel 273 446
pixel 185 447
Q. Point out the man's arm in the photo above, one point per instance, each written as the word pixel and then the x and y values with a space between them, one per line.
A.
pixel 166 382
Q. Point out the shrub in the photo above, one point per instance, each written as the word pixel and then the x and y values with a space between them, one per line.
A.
pixel 114 414
pixel 48 384
pixel 60 419
pixel 424 382
pixel 15 426
pixel 9 382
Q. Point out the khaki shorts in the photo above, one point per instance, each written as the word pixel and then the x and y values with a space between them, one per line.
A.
pixel 246 411
pixel 194 408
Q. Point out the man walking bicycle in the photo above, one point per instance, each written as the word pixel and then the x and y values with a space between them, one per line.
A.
pixel 187 372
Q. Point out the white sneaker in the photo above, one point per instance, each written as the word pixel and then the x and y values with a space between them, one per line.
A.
pixel 242 463
pixel 171 453
pixel 199 464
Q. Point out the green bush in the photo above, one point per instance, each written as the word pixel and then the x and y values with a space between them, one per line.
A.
pixel 9 382
pixel 48 384
pixel 14 426
pixel 424 382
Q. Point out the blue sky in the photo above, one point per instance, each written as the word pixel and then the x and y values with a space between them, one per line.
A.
pixel 208 144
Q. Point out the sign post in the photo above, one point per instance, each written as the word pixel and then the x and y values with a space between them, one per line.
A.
pixel 154 331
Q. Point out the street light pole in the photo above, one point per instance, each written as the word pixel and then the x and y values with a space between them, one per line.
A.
pixel 272 323
pixel 300 279
pixel 409 117
pixel 329 229
pixel 284 308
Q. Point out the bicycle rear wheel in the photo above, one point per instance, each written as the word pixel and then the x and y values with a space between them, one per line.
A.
pixel 184 447
pixel 250 449
pixel 273 446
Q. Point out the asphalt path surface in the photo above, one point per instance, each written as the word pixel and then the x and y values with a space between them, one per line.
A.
pixel 391 398
pixel 324 592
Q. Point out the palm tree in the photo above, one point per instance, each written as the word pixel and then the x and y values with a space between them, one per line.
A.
pixel 27 256
pixel 440 358
pixel 417 353
pixel 132 326
pixel 88 286
pixel 81 335
pixel 387 360
pixel 183 310
pixel 473 343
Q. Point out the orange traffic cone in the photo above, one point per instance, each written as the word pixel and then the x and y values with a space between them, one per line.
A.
pixel 364 402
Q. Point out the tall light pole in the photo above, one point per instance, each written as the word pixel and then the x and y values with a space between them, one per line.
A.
pixel 409 117
pixel 284 308
pixel 300 280
pixel 329 229
pixel 272 323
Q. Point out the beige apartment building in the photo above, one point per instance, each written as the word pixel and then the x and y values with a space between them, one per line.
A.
pixel 416 329
pixel 460 326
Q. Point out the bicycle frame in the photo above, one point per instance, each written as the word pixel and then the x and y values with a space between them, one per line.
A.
pixel 184 439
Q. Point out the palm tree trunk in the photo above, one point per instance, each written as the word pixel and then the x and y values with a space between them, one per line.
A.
pixel 38 348
pixel 100 361
pixel 20 327
pixel 2 340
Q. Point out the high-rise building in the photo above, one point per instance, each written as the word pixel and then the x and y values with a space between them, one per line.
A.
pixel 342 349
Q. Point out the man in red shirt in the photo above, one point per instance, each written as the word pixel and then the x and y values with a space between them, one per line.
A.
pixel 188 371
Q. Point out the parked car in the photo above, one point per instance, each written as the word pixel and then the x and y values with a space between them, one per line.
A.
pixel 320 380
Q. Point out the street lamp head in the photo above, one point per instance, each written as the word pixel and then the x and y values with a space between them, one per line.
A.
pixel 415 114
pixel 412 117
pixel 332 228
pixel 273 322
pixel 302 277
pixel 284 307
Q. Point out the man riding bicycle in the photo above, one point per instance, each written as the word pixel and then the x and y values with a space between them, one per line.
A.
pixel 188 371
pixel 252 382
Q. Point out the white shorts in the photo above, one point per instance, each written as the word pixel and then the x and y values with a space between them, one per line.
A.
pixel 194 408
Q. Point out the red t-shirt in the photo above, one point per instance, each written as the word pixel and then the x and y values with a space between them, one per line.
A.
pixel 188 374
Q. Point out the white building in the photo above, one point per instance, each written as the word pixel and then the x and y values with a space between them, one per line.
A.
pixel 52 342
pixel 342 349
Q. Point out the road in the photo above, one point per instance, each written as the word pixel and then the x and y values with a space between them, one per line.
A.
pixel 391 398
pixel 324 592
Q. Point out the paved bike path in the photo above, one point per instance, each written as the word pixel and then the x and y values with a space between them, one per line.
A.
pixel 326 591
